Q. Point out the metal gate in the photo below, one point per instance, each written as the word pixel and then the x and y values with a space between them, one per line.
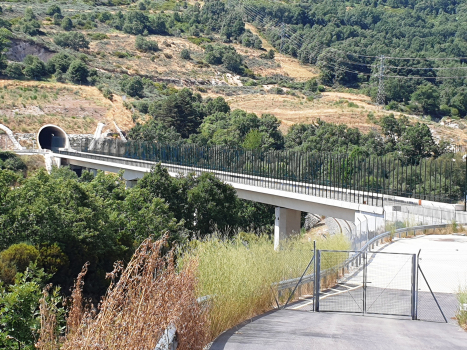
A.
pixel 366 282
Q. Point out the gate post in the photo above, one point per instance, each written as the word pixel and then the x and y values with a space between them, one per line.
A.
pixel 317 280
pixel 414 299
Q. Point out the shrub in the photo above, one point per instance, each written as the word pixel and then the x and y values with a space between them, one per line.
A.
pixel 67 24
pixel 51 258
pixel 54 10
pixel 29 14
pixel 185 54
pixel 20 255
pixel 30 27
pixel 78 72
pixel 321 88
pixel 57 19
pixel 19 310
pixel 35 68
pixel 16 259
pixel 133 86
pixel 144 45
pixel 14 164
pixel 107 93
pixel 73 40
pixel 200 40
pixel 14 71
pixel 59 63
pixel 98 36
pixel 462 311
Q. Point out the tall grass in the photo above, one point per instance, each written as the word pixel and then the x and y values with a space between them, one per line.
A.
pixel 149 296
pixel 237 274
pixel 462 312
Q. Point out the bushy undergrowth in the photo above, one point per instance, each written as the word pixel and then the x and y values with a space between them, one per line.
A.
pixel 462 312
pixel 237 274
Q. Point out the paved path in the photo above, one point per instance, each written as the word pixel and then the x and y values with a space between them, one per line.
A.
pixel 288 329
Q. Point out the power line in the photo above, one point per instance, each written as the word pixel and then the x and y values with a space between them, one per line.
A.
pixel 296 40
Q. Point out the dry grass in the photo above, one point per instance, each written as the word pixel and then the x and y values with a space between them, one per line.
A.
pixel 238 274
pixel 293 110
pixel 49 335
pixel 27 105
pixel 288 66
pixel 149 296
pixel 462 312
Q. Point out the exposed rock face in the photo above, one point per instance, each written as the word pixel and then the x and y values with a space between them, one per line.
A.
pixel 20 49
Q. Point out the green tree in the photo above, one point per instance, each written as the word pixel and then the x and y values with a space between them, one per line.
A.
pixel 78 72
pixel 253 140
pixel 133 86
pixel 35 68
pixel 136 23
pixel 156 131
pixel 54 10
pixel 416 142
pixel 232 61
pixel 14 71
pixel 60 62
pixel 428 97
pixel 180 110
pixel 30 27
pixel 29 14
pixel 66 24
pixel 73 40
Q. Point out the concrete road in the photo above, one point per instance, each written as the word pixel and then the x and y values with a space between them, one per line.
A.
pixel 289 329
pixel 443 259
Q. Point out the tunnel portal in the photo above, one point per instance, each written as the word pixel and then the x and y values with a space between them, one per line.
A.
pixel 52 137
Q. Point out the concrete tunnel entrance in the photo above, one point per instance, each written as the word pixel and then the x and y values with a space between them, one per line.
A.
pixel 52 137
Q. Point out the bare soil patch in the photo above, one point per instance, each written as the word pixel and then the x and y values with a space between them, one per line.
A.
pixel 27 105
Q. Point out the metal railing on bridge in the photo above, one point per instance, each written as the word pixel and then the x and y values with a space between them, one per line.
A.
pixel 365 179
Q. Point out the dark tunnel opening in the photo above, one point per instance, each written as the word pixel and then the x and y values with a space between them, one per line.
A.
pixel 52 137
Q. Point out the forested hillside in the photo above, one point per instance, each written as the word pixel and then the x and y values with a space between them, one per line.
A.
pixel 419 47
pixel 137 54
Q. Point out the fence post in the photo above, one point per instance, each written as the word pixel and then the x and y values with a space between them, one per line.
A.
pixel 414 300
pixel 317 280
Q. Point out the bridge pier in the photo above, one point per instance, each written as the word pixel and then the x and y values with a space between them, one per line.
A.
pixel 287 223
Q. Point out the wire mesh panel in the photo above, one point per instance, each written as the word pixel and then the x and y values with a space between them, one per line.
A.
pixel 341 281
pixel 389 282
pixel 366 282
pixel 296 275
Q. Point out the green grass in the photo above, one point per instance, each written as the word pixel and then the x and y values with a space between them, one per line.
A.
pixel 237 274
pixel 198 41
pixel 462 312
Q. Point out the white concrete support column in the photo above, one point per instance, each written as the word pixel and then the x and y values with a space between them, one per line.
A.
pixel 287 223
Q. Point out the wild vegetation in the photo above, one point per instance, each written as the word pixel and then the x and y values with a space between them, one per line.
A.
pixel 237 275
pixel 171 70
pixel 462 312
